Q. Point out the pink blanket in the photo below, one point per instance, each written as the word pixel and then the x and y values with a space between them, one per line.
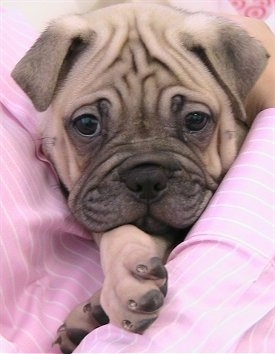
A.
pixel 221 279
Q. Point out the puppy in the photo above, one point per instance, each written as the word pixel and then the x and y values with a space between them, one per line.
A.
pixel 145 112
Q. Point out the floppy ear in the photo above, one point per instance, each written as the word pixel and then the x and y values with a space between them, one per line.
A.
pixel 233 57
pixel 48 61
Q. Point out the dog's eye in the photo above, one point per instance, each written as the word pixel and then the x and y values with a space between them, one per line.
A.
pixel 196 121
pixel 87 124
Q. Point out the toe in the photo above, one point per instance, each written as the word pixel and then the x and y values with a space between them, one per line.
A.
pixel 154 269
pixel 76 335
pixel 65 344
pixel 139 326
pixel 142 325
pixel 96 313
pixel 151 301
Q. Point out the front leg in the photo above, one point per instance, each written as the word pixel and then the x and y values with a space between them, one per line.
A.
pixel 135 277
pixel 133 291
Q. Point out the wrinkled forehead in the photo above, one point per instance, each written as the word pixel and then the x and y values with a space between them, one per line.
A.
pixel 136 54
pixel 128 49
pixel 125 17
pixel 134 33
pixel 150 23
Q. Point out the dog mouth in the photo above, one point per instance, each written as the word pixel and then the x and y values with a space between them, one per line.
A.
pixel 160 198
pixel 171 215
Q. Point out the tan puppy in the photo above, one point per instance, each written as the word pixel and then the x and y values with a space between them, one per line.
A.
pixel 145 116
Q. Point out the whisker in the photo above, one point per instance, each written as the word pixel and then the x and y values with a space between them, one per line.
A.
pixel 47 140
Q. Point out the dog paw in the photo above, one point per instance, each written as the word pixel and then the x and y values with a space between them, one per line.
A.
pixel 134 292
pixel 81 321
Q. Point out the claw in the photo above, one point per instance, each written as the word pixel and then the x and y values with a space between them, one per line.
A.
pixel 99 315
pixel 76 335
pixel 142 268
pixel 142 325
pixel 126 324
pixel 63 340
pixel 57 341
pixel 151 301
pixel 132 305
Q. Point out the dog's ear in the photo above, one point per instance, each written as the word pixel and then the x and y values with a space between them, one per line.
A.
pixel 234 58
pixel 48 61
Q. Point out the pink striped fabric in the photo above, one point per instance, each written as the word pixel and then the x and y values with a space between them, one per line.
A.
pixel 221 279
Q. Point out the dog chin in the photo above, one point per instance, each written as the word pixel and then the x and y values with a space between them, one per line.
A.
pixel 156 227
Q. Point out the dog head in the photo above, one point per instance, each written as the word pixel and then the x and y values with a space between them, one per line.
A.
pixel 144 107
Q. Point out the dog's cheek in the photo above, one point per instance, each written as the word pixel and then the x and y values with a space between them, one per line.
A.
pixel 68 165
pixel 105 206
pixel 184 203
pixel 225 144
pixel 231 142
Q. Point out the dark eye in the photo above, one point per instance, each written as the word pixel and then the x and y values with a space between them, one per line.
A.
pixel 87 124
pixel 196 121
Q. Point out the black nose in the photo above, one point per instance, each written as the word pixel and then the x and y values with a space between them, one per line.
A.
pixel 146 181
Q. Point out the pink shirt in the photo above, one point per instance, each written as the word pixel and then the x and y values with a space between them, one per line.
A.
pixel 221 279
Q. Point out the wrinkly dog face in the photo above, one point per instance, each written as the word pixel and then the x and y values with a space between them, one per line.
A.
pixel 145 112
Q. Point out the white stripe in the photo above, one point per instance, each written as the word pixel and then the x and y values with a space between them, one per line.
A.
pixel 256 154
pixel 270 334
pixel 244 226
pixel 248 211
pixel 264 128
pixel 10 34
pixel 67 295
pixel 208 291
pixel 243 165
pixel 250 341
pixel 19 251
pixel 245 194
pixel 14 20
pixel 178 265
pixel 32 189
pixel 5 309
pixel 182 289
pixel 37 299
pixel 236 315
pixel 223 236
pixel 23 109
pixel 92 264
pixel 251 180
pixel 8 46
pixel 31 337
pixel 122 348
pixel 220 281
